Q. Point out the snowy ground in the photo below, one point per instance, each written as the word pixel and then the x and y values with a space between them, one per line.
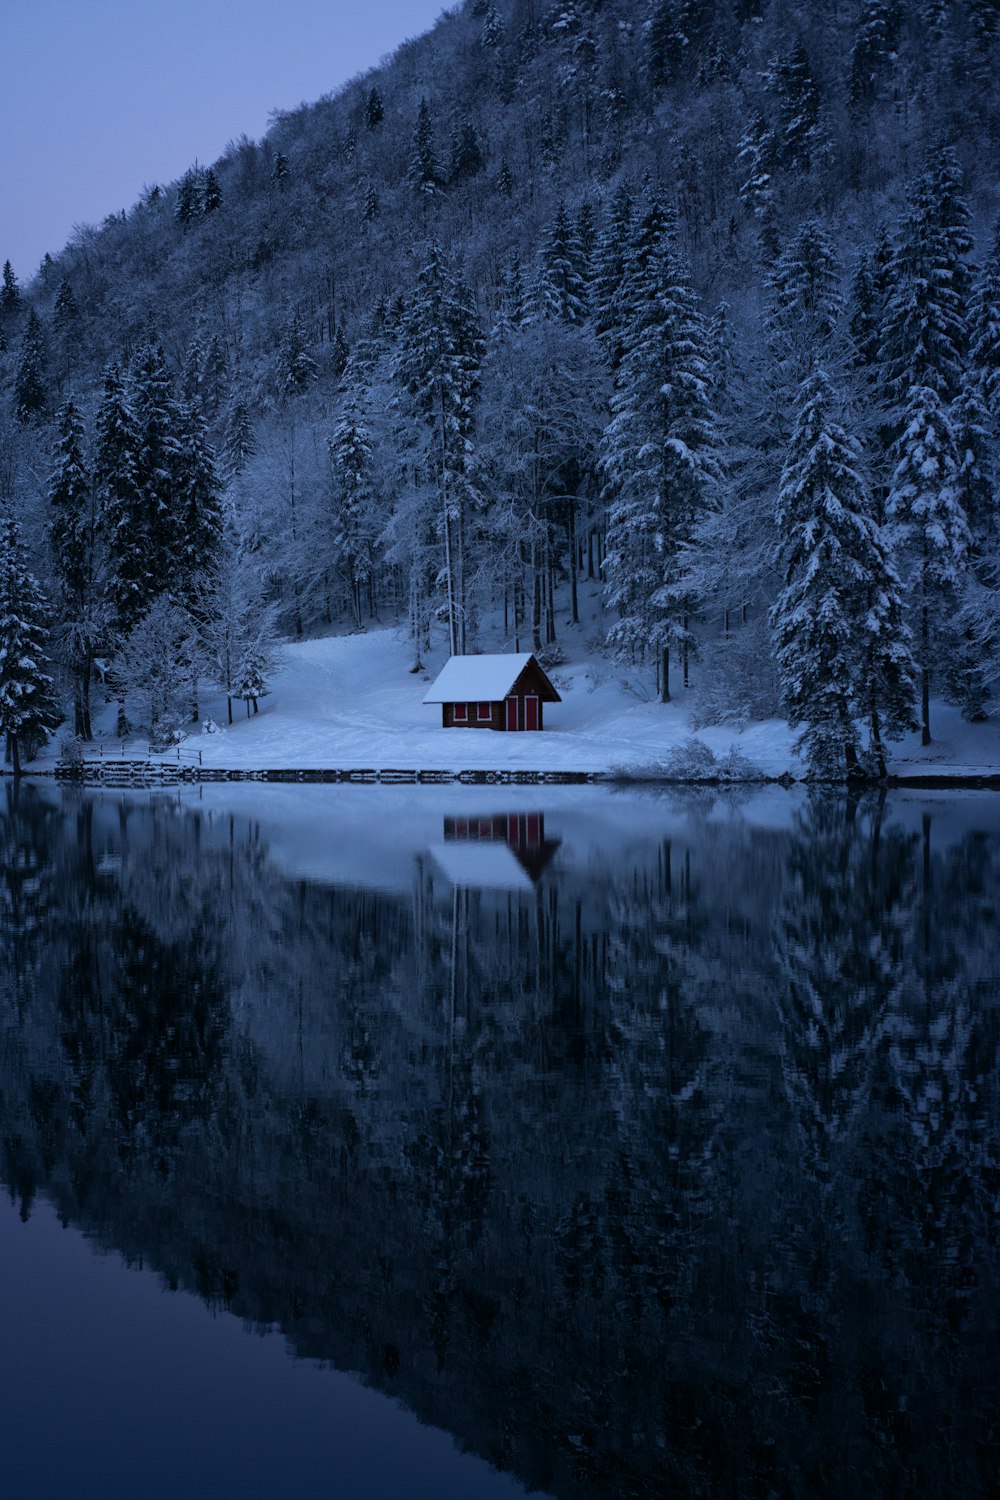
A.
pixel 351 702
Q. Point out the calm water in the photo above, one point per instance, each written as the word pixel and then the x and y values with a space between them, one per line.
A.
pixel 449 1142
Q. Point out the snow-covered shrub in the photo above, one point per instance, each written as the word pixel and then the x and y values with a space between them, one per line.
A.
pixel 737 680
pixel 735 766
pixel 551 655
pixel 71 753
pixel 692 761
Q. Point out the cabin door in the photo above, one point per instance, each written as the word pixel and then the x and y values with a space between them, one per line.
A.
pixel 531 713
pixel 511 713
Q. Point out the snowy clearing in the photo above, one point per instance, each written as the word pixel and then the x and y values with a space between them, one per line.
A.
pixel 351 701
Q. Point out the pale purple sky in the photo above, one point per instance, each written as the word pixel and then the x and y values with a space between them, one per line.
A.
pixel 99 97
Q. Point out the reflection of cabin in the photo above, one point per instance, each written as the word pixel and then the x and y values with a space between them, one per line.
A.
pixel 501 851
pixel 492 692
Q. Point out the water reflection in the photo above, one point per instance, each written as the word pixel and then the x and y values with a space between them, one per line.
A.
pixel 651 1150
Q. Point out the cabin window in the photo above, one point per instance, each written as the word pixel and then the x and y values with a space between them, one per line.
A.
pixel 485 712
pixel 461 713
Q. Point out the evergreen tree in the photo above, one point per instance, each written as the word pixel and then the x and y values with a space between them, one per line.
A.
pixel 279 170
pixel 10 293
pixel 984 334
pixel 197 506
pixel 876 37
pixel 156 414
pixel 931 528
pixel 505 180
pixel 211 192
pixel 354 496
pixel 806 300
pixel 71 534
pixel 298 367
pixel 341 353
pixel 466 153
pixel 374 109
pixel 659 454
pixel 438 364
pixel 28 707
pixel 492 34
pixel 425 173
pixel 837 627
pixel 189 203
pixel 798 138
pixel 123 518
pixel 563 285
pixel 29 379
pixel 610 256
pixel 240 443
pixel 66 316
pixel 924 332
pixel 370 207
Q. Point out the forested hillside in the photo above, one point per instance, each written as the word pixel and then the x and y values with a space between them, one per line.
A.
pixel 699 299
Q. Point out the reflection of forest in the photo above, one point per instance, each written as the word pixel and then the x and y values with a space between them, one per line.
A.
pixel 680 1177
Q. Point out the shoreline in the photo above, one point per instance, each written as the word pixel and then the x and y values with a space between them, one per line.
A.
pixel 144 773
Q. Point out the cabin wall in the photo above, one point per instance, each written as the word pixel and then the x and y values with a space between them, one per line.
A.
pixel 449 721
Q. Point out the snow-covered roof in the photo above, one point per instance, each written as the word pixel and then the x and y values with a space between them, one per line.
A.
pixel 485 866
pixel 486 679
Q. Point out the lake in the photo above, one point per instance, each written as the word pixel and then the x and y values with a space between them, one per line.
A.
pixel 465 1142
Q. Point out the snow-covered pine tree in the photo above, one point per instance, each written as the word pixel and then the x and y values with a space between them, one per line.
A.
pixel 984 334
pixel 122 515
pixel 29 380
pixel 197 505
pixel 297 367
pixel 240 443
pixel 931 530
pixel 425 170
pixel 149 389
pixel 563 281
pixel 438 363
pixel 10 292
pixel 71 534
pixel 374 109
pixel 876 36
pixel 353 496
pixel 924 339
pixel 659 452
pixel 837 629
pixel 28 708
pixel 806 301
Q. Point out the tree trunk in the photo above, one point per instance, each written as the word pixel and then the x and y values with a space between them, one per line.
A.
pixel 665 675
pixel 15 754
pixel 925 677
pixel 536 600
pixel 878 748
pixel 574 611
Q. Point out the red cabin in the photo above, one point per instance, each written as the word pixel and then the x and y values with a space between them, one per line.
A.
pixel 492 692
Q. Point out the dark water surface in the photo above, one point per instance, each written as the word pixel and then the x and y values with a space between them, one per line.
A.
pixel 452 1143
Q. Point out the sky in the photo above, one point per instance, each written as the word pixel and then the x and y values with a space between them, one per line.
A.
pixel 101 97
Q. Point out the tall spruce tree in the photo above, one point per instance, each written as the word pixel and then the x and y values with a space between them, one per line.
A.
pixel 28 708
pixel 30 394
pixel 71 534
pixel 440 354
pixel 353 496
pixel 563 281
pixel 122 513
pixel 931 529
pixel 659 453
pixel 836 625
pixel 924 331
